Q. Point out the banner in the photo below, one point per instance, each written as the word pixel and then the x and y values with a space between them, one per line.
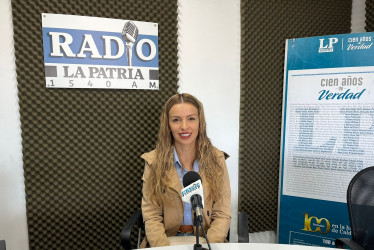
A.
pixel 327 134
pixel 93 52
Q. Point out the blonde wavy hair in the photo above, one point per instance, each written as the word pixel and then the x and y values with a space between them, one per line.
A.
pixel 164 160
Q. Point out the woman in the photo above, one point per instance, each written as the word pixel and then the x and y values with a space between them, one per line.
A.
pixel 183 146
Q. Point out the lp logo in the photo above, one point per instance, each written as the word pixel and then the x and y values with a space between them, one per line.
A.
pixel 316 225
pixel 329 47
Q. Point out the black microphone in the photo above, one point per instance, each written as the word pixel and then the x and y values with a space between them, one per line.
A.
pixel 130 34
pixel 196 199
pixel 190 177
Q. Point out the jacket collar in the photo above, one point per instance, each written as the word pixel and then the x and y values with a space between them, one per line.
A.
pixel 174 180
pixel 171 173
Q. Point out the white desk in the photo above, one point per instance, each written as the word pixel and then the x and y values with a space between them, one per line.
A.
pixel 244 246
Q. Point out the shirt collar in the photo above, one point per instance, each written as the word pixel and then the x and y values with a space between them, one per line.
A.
pixel 176 159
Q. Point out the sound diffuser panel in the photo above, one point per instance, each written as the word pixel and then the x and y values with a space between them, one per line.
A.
pixel 265 27
pixel 369 16
pixel 82 147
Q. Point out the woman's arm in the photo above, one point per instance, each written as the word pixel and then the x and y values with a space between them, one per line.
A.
pixel 152 215
pixel 221 211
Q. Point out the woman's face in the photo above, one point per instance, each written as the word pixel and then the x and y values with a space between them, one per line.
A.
pixel 184 123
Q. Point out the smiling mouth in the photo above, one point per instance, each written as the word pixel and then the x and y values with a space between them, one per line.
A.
pixel 185 135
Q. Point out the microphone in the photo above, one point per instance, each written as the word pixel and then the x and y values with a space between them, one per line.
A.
pixel 193 192
pixel 130 34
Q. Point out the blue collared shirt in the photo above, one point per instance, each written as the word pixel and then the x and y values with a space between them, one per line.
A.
pixel 187 218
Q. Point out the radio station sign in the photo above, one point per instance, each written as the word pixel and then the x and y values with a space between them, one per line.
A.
pixel 93 52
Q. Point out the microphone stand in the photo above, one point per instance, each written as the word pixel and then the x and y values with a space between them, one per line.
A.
pixel 197 207
pixel 197 223
pixel 206 236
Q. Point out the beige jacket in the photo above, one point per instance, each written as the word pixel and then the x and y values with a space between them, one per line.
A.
pixel 165 221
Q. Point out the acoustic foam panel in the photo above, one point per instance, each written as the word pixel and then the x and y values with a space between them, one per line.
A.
pixel 265 25
pixel 369 16
pixel 82 147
